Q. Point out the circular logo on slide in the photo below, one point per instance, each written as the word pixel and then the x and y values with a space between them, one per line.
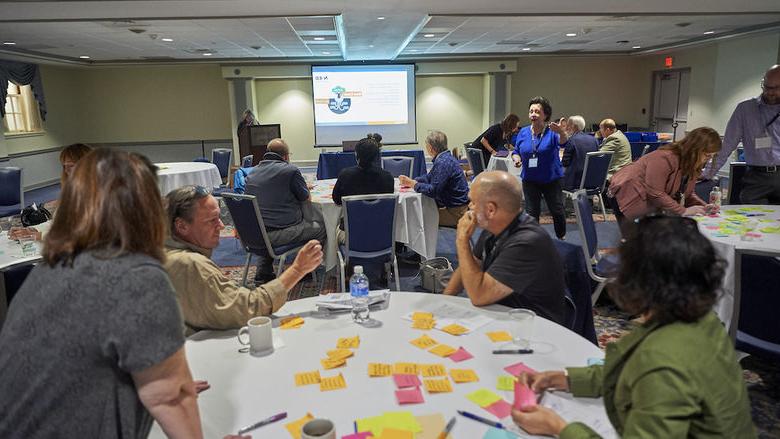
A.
pixel 339 104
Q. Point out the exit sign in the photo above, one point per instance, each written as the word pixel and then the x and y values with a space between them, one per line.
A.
pixel 668 62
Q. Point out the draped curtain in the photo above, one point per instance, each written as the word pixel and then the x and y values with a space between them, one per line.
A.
pixel 21 74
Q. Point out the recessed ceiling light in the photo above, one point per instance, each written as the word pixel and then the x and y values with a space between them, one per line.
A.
pixel 207 53
pixel 526 49
pixel 9 43
pixel 325 52
pixel 380 18
pixel 709 32
pixel 167 40
pixel 319 38
pixel 371 46
pixel 429 35
pixel 84 57
pixel 637 47
pixel 571 34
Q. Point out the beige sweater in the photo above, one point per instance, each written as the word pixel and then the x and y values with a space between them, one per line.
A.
pixel 208 299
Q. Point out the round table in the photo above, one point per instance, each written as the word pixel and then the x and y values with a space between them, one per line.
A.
pixel 725 230
pixel 172 176
pixel 245 389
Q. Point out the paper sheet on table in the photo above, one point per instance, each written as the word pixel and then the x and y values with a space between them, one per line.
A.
pixel 432 426
pixel 589 411
pixel 447 314
pixel 344 300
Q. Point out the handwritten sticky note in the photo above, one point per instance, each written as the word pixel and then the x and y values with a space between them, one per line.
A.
pixel 443 350
pixel 330 363
pixel 455 329
pixel 409 396
pixel 499 336
pixel 394 433
pixel 524 396
pixel 461 355
pixel 339 354
pixel 332 383
pixel 405 368
pixel 506 382
pixel 306 378
pixel 350 342
pixel 438 385
pixel 433 370
pixel 423 324
pixel 419 315
pixel 403 381
pixel 379 370
pixel 361 435
pixel 294 427
pixel 424 342
pixel 500 409
pixel 483 397
pixel 291 323
pixel 518 368
pixel 463 375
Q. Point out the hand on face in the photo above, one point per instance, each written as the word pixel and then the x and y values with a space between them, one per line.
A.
pixel 466 225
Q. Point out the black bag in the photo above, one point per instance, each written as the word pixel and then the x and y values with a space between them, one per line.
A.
pixel 33 215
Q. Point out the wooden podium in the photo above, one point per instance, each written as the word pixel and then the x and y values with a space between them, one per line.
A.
pixel 253 139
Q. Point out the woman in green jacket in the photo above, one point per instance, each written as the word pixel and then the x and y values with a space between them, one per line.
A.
pixel 676 375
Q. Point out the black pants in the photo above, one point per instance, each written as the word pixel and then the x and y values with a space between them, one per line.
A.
pixel 627 226
pixel 760 187
pixel 552 196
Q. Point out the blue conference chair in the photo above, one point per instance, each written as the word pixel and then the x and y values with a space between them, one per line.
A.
pixel 11 191
pixel 636 150
pixel 602 269
pixel 246 161
pixel 754 322
pixel 221 158
pixel 736 174
pixel 571 310
pixel 369 228
pixel 398 165
pixel 594 176
pixel 252 232
pixel 650 147
pixel 13 278
pixel 476 161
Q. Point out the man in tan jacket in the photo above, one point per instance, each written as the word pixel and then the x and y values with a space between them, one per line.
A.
pixel 208 299
pixel 615 141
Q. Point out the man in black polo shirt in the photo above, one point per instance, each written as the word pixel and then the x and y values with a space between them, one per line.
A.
pixel 514 262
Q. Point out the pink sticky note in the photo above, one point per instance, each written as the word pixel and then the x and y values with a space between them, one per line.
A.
pixel 409 396
pixel 361 435
pixel 501 409
pixel 518 368
pixel 712 227
pixel 460 355
pixel 403 381
pixel 524 396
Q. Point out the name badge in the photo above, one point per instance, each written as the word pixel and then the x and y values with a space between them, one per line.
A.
pixel 532 162
pixel 763 142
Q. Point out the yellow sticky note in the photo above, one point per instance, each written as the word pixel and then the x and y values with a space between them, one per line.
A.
pixel 330 363
pixel 438 386
pixel 483 397
pixel 433 370
pixel 506 382
pixel 306 378
pixel 463 375
pixel 339 354
pixel 350 342
pixel 392 433
pixel 379 370
pixel 291 323
pixel 499 336
pixel 419 315
pixel 443 350
pixel 455 329
pixel 332 383
pixel 405 368
pixel 423 324
pixel 424 342
pixel 402 421
pixel 294 427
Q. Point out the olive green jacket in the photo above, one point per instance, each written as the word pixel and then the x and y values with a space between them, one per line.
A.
pixel 680 380
pixel 618 143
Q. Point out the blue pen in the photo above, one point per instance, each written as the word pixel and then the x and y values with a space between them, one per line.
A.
pixel 481 419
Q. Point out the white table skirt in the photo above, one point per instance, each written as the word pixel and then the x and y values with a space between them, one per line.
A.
pixel 245 389
pixel 726 247
pixel 175 175
pixel 416 220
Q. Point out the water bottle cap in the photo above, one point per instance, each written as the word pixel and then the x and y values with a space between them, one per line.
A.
pixel 716 187
pixel 358 269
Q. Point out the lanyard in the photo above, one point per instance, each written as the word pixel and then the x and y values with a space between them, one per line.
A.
pixel 773 119
pixel 534 145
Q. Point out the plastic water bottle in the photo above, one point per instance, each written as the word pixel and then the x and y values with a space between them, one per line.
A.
pixel 358 288
pixel 716 196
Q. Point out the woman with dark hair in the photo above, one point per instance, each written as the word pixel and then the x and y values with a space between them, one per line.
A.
pixel 538 146
pixel 674 376
pixel 93 345
pixel 497 136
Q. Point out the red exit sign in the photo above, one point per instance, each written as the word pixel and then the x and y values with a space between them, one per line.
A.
pixel 668 62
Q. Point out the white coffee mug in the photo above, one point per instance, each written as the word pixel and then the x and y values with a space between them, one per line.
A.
pixel 318 429
pixel 261 339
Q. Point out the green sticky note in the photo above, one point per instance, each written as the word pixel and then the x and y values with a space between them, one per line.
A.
pixel 374 424
pixel 731 212
pixel 483 397
pixel 770 230
pixel 401 421
pixel 506 382
pixel 767 210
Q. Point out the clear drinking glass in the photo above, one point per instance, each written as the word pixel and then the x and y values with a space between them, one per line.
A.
pixel 522 321
pixel 29 246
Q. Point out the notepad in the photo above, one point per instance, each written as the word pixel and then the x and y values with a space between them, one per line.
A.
pixel 437 385
pixel 499 336
pixel 432 370
pixel 379 370
pixel 329 363
pixel 524 396
pixel 455 329
pixel 483 397
pixel 340 354
pixel 306 378
pixel 409 396
pixel 332 383
pixel 351 342
pixel 403 381
pixel 294 427
pixel 463 375
pixel 405 368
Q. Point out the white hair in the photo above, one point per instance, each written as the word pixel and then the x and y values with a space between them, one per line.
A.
pixel 578 121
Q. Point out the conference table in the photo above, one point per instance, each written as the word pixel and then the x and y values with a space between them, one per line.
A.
pixel 10 256
pixel 416 220
pixel 174 175
pixel 331 163
pixel 245 388
pixel 727 230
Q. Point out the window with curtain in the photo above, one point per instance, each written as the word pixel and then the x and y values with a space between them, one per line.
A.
pixel 21 111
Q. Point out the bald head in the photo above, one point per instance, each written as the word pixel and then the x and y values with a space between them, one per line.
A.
pixel 279 146
pixel 501 188
pixel 771 86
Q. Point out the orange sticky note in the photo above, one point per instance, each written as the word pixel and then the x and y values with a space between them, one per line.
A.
pixel 424 342
pixel 330 363
pixel 392 433
pixel 306 378
pixel 349 342
pixel 291 323
pixel 405 368
pixel 423 324
pixel 499 336
pixel 339 354
pixel 443 350
pixel 332 383
pixel 379 370
pixel 463 375
pixel 438 386
pixel 455 329
pixel 294 427
pixel 433 370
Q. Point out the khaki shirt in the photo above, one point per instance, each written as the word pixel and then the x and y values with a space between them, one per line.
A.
pixel 208 299
pixel 618 143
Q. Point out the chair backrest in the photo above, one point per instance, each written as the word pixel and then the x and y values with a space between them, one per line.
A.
pixel 248 222
pixel 398 165
pixel 201 160
pixel 221 157
pixel 650 147
pixel 756 300
pixel 570 317
pixel 594 174
pixel 633 136
pixel 246 161
pixel 736 174
pixel 636 150
pixel 584 213
pixel 369 224
pixel 11 188
pixel 476 161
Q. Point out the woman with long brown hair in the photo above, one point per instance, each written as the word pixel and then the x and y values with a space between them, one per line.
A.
pixel 497 136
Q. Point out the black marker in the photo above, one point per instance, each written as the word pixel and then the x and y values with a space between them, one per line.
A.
pixel 514 351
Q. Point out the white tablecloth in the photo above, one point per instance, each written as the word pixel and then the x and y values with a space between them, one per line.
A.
pixel 416 220
pixel 497 163
pixel 245 389
pixel 727 240
pixel 10 255
pixel 175 175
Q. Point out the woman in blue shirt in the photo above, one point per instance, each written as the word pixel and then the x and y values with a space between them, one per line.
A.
pixel 537 146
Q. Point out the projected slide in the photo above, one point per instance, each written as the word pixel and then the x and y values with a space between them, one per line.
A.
pixel 351 101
